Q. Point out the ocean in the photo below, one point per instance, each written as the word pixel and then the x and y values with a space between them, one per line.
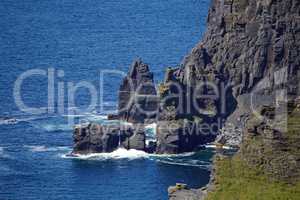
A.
pixel 92 42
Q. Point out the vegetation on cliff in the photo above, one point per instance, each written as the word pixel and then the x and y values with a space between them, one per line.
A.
pixel 235 180
pixel 266 167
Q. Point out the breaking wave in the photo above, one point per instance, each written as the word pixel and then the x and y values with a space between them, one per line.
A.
pixel 118 154
pixel 184 159
pixel 212 146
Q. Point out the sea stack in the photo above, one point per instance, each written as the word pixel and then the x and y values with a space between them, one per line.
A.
pixel 137 95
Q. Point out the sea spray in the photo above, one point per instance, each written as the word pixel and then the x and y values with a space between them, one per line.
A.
pixel 118 154
pixel 185 159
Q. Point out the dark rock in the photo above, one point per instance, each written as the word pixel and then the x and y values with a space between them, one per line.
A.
pixel 96 138
pixel 253 47
pixel 137 140
pixel 182 192
pixel 93 138
pixel 178 136
pixel 137 95
pixel 151 147
pixel 113 117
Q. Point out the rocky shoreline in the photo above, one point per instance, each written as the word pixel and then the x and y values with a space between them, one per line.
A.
pixel 247 63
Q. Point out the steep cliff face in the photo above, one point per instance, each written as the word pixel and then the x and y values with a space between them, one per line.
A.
pixel 252 47
pixel 249 57
pixel 256 44
pixel 249 40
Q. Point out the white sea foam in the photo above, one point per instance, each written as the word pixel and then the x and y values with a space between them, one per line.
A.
pixel 188 164
pixel 174 155
pixel 126 123
pixel 149 140
pixel 151 126
pixel 11 121
pixel 215 147
pixel 73 115
pixel 3 154
pixel 56 127
pixel 96 117
pixel 42 148
pixel 1 151
pixel 120 153
pixel 15 119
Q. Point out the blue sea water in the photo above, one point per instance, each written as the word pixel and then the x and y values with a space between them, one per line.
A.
pixel 82 39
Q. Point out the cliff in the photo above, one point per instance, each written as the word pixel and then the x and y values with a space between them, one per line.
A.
pixel 252 48
pixel 249 57
pixel 239 87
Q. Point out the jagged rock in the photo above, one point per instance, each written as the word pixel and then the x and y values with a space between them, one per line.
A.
pixel 93 138
pixel 182 192
pixel 112 117
pixel 96 138
pixel 137 95
pixel 253 47
pixel 137 140
pixel 178 136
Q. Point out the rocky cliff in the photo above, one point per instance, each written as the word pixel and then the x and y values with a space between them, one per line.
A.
pixel 252 49
pixel 137 95
pixel 249 57
pixel 239 86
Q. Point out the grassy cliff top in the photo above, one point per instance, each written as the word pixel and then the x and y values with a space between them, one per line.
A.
pixel 267 166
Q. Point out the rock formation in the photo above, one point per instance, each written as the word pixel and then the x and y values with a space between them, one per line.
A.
pixel 96 138
pixel 253 48
pixel 137 95
pixel 249 57
pixel 182 192
pixel 137 104
pixel 246 65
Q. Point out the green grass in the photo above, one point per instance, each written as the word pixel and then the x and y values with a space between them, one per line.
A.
pixel 236 181
pixel 269 161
